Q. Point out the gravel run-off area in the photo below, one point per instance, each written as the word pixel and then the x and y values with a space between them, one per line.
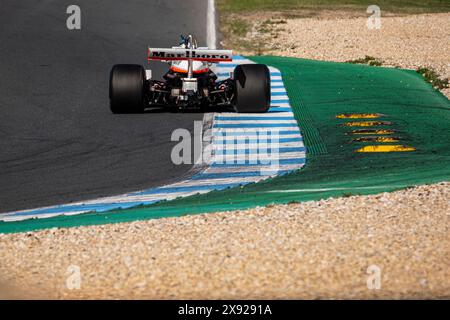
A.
pixel 410 41
pixel 314 250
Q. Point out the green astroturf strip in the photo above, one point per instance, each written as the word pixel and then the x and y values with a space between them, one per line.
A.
pixel 318 91
pixel 397 6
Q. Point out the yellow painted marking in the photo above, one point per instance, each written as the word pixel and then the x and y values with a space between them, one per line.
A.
pixel 372 131
pixel 376 139
pixel 358 115
pixel 385 148
pixel 366 123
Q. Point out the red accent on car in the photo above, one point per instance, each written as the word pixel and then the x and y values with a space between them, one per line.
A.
pixel 175 69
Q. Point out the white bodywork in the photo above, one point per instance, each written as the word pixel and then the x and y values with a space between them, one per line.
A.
pixel 184 65
pixel 148 74
pixel 188 58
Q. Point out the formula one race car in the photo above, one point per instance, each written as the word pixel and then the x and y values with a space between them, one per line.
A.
pixel 189 83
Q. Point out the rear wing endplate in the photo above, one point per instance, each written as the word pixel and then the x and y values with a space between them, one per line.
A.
pixel 207 55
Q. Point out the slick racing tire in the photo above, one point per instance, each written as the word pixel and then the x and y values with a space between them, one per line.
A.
pixel 252 88
pixel 126 88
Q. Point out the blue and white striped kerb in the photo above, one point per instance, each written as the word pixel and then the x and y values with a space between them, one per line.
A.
pixel 244 148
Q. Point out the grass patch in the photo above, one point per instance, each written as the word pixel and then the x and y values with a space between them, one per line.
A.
pixel 395 6
pixel 262 20
pixel 371 61
pixel 270 26
pixel 433 77
pixel 428 73
pixel 239 27
pixel 248 35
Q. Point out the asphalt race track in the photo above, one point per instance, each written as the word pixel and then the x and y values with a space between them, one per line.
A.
pixel 59 141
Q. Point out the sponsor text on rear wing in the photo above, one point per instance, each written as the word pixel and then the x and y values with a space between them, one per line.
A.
pixel 207 55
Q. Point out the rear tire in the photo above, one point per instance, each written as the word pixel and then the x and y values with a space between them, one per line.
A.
pixel 252 88
pixel 126 88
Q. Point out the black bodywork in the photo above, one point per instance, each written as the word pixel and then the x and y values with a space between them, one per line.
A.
pixel 210 92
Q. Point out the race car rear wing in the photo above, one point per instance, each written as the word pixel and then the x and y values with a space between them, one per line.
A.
pixel 207 55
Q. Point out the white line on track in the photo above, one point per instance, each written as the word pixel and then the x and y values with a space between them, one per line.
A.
pixel 230 147
pixel 225 131
pixel 290 121
pixel 252 115
pixel 264 170
pixel 211 25
pixel 238 139
pixel 257 158
pixel 213 182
